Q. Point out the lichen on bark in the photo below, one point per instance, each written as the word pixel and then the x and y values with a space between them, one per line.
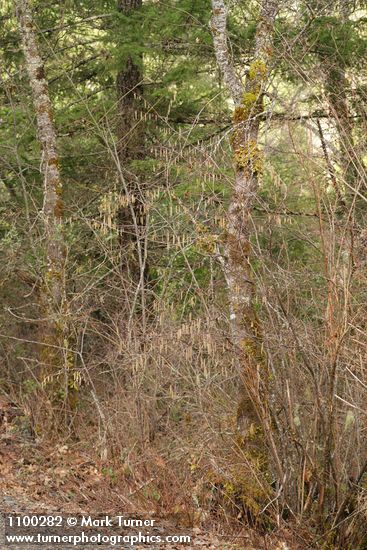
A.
pixel 54 356
pixel 247 334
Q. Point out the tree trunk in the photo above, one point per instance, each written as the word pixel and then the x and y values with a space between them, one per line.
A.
pixel 54 353
pixel 253 413
pixel 130 133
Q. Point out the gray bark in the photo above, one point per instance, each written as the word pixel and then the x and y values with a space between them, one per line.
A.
pixel 53 288
pixel 253 414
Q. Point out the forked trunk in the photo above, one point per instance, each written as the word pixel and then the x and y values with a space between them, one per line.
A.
pixel 253 413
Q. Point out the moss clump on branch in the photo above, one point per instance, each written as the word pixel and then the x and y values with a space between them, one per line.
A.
pixel 250 98
pixel 246 152
pixel 250 348
pixel 258 70
pixel 249 157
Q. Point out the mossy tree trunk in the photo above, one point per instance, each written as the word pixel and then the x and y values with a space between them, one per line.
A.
pixel 131 139
pixel 54 351
pixel 253 413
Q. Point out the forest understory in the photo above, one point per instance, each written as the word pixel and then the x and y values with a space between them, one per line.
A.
pixel 39 479
pixel 183 252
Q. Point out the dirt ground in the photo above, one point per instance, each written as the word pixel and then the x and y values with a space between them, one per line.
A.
pixel 47 480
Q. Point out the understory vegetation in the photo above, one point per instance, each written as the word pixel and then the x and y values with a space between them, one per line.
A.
pixel 183 247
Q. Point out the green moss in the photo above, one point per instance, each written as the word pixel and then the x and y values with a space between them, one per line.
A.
pixel 241 489
pixel 251 348
pixel 249 157
pixel 249 98
pixel 258 70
